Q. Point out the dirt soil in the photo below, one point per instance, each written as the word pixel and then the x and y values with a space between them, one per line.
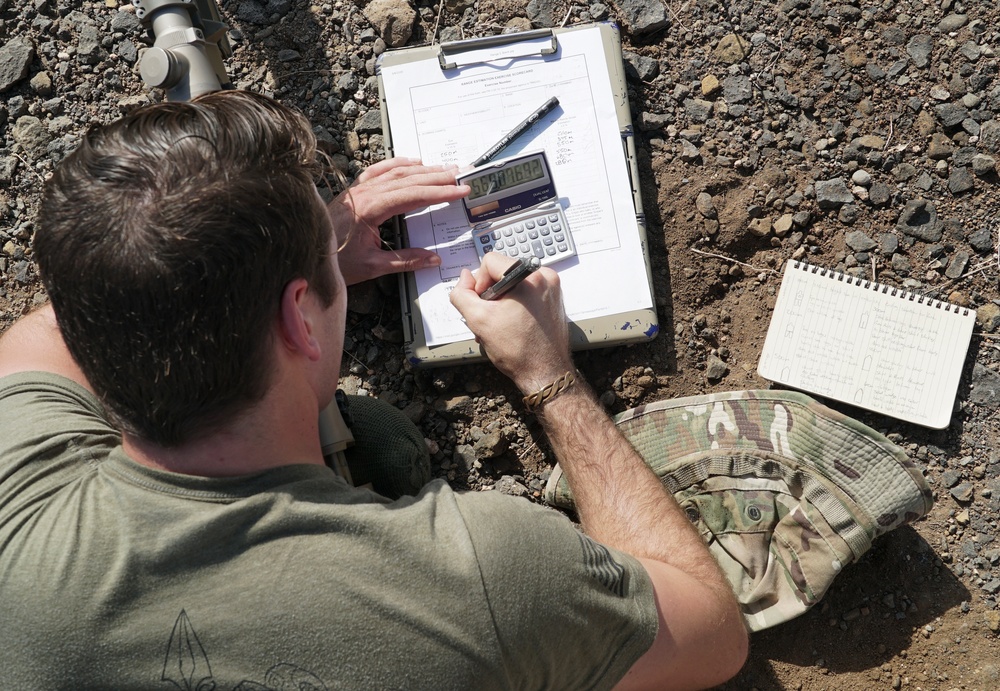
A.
pixel 744 112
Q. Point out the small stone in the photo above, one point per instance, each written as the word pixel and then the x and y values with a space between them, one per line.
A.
pixel 760 227
pixel 957 264
pixel 706 206
pixel 31 135
pixel 989 135
pixel 879 194
pixel 710 85
pixel 848 213
pixel 953 22
pixel 832 193
pixel 919 49
pixel 940 147
pixel 689 152
pixel 950 477
pixel 42 84
pixel 939 93
pixel 732 49
pixel 962 517
pixel 988 316
pixel 859 241
pixel 960 180
pixel 983 166
pixel 993 621
pixel 783 226
pixel 950 114
pixel 871 141
pixel 392 19
pixel 962 493
pixel 919 219
pixel 737 89
pixel 642 16
pixel 715 368
pixel 861 177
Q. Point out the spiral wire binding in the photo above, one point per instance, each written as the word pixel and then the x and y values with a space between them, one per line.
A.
pixel 874 285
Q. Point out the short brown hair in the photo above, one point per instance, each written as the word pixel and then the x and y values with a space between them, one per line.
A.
pixel 165 241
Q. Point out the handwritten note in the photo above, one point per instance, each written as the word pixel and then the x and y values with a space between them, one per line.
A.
pixel 867 344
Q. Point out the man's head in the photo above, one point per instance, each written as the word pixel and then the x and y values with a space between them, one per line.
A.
pixel 165 242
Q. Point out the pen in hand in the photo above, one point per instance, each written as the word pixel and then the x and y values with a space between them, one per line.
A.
pixel 511 277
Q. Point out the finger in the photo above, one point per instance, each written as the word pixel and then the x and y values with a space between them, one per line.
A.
pixel 407 259
pixel 376 206
pixel 384 165
pixel 494 266
pixel 464 296
pixel 405 172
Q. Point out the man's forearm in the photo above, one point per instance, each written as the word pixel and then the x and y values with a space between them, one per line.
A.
pixel 619 500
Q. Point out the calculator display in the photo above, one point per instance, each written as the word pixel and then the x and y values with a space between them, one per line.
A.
pixel 505 178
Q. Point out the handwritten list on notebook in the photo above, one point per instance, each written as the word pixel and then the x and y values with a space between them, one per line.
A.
pixel 867 344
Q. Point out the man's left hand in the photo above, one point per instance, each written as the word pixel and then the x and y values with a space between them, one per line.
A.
pixel 386 189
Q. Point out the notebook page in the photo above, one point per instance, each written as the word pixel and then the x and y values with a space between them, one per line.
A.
pixel 867 344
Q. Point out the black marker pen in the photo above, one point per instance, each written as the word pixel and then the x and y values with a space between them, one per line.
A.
pixel 516 132
pixel 511 277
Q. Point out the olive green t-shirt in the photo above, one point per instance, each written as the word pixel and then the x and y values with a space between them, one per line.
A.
pixel 114 575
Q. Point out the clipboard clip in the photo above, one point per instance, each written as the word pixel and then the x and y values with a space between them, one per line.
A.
pixel 504 46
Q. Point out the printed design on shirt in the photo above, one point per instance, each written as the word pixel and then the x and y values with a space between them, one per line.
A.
pixel 187 667
pixel 602 566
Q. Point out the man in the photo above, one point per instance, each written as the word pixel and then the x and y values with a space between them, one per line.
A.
pixel 180 528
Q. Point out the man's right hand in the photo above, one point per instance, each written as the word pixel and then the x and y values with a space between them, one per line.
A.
pixel 388 188
pixel 525 333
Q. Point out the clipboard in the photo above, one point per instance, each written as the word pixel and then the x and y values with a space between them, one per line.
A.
pixel 501 55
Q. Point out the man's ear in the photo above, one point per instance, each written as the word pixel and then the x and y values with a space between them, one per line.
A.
pixel 297 319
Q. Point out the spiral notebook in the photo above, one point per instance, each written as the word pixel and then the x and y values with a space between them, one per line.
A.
pixel 867 344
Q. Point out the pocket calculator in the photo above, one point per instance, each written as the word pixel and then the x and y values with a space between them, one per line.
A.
pixel 514 209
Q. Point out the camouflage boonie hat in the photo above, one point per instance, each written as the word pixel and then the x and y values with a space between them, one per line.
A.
pixel 784 490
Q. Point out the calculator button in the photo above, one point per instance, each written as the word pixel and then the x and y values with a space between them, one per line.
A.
pixel 556 228
pixel 510 251
pixel 522 237
pixel 488 248
pixel 554 218
pixel 536 246
pixel 533 234
pixel 560 237
pixel 551 251
pixel 508 231
pixel 484 239
pixel 547 241
pixel 546 230
pixel 498 244
pixel 563 248
pixel 542 221
pixel 524 249
pixel 529 224
pixel 495 234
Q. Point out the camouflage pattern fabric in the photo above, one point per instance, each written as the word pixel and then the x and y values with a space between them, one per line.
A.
pixel 784 490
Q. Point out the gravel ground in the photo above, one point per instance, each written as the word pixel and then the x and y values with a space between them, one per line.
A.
pixel 858 136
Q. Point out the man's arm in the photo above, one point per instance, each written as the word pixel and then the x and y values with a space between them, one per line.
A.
pixel 702 640
pixel 386 189
pixel 35 343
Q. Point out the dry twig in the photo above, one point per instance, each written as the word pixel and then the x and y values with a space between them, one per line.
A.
pixel 677 16
pixel 734 261
pixel 437 21
pixel 41 178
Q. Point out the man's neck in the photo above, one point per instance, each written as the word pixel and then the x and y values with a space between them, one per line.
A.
pixel 270 435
